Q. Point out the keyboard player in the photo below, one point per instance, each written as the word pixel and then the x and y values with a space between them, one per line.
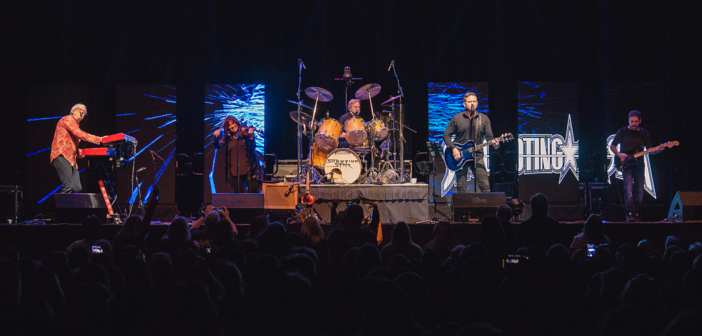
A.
pixel 64 148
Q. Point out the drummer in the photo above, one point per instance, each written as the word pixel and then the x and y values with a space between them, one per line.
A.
pixel 354 110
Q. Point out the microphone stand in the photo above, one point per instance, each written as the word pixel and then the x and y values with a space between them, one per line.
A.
pixel 299 131
pixel 402 138
pixel 238 180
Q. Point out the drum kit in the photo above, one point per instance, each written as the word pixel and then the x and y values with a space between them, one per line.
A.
pixel 327 163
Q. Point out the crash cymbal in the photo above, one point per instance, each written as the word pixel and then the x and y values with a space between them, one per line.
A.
pixel 319 93
pixel 304 117
pixel 390 100
pixel 372 88
pixel 301 104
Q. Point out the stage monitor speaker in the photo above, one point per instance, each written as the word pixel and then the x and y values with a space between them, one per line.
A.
pixel 280 196
pixel 473 207
pixel 686 205
pixel 243 208
pixel 74 208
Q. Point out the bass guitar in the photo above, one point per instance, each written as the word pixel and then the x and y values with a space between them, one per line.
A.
pixel 632 159
pixel 467 150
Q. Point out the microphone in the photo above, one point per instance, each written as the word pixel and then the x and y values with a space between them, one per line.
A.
pixel 302 64
pixel 141 169
pixel 391 64
pixel 290 188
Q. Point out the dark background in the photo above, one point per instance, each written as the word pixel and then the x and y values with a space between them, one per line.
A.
pixel 193 43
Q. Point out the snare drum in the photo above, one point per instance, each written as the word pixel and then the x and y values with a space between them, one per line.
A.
pixel 327 136
pixel 355 131
pixel 342 166
pixel 377 129
pixel 319 155
pixel 362 148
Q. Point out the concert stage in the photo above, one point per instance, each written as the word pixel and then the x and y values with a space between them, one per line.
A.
pixel 396 202
pixel 37 240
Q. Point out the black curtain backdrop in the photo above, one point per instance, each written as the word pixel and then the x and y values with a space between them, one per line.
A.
pixel 193 43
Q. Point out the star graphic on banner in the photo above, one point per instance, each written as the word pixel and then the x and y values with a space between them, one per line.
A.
pixel 569 148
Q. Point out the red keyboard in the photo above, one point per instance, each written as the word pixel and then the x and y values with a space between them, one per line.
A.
pixel 97 151
pixel 119 137
pixel 112 142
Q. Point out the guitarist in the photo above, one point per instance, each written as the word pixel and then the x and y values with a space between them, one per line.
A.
pixel 632 139
pixel 470 125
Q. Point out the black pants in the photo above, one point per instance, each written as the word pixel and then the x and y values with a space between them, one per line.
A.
pixel 70 180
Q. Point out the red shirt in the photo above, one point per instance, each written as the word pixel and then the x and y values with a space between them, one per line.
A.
pixel 66 139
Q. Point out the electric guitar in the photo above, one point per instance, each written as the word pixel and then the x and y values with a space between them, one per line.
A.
pixel 632 159
pixel 467 150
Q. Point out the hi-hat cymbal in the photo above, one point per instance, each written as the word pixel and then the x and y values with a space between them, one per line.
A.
pixel 304 117
pixel 301 104
pixel 390 100
pixel 372 88
pixel 319 93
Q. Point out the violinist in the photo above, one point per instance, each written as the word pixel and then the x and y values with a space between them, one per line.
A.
pixel 240 159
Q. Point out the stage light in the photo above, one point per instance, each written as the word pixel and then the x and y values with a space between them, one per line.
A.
pixel 517 207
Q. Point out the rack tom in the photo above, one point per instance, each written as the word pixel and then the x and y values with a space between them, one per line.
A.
pixel 327 136
pixel 377 129
pixel 355 131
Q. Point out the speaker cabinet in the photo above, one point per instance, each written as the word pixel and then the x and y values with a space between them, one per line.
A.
pixel 686 205
pixel 473 207
pixel 74 208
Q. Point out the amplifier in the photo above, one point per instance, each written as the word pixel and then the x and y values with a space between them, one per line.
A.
pixel 280 196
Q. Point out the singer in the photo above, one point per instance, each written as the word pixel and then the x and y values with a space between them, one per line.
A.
pixel 354 110
pixel 240 160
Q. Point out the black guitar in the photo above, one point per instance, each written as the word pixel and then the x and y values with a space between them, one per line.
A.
pixel 632 159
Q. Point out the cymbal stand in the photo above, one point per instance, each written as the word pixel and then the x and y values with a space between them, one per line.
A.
pixel 299 124
pixel 370 101
pixel 402 138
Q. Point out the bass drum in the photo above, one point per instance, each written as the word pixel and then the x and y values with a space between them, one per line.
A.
pixel 342 166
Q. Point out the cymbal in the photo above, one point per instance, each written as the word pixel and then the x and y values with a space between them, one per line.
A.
pixel 319 93
pixel 396 105
pixel 390 100
pixel 372 88
pixel 304 117
pixel 301 104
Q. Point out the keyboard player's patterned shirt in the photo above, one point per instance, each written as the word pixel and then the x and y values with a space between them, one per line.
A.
pixel 66 139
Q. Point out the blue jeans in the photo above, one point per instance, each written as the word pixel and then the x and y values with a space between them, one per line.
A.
pixel 480 174
pixel 634 177
pixel 70 180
